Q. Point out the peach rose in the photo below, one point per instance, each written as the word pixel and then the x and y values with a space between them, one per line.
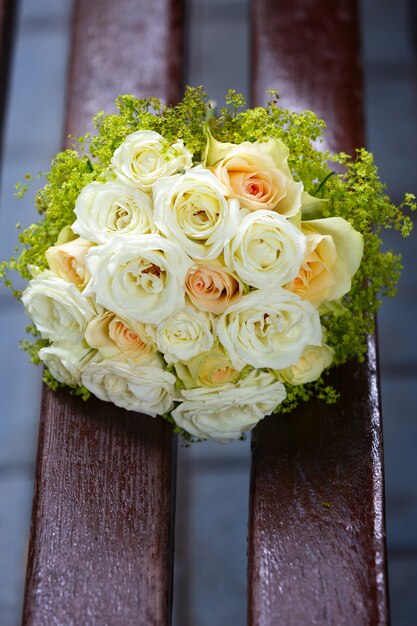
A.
pixel 333 255
pixel 310 366
pixel 208 369
pixel 256 173
pixel 114 336
pixel 68 261
pixel 212 287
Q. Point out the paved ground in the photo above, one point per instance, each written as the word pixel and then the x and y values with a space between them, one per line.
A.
pixel 34 129
pixel 212 503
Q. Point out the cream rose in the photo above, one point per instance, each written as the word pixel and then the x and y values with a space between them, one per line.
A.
pixel 332 257
pixel 66 361
pixel 212 287
pixel 311 365
pixel 184 335
pixel 68 261
pixel 146 388
pixel 141 278
pixel 208 369
pixel 256 173
pixel 104 210
pixel 224 413
pixel 59 311
pixel 192 210
pixel 268 329
pixel 266 251
pixel 145 156
pixel 115 337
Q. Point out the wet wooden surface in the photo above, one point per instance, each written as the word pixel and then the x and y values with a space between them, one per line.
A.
pixel 101 538
pixel 100 549
pixel 316 525
pixel 123 47
pixel 309 50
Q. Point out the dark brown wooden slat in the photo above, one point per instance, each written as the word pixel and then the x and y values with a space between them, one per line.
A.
pixel 100 550
pixel 101 539
pixel 317 532
pixel 128 46
pixel 309 51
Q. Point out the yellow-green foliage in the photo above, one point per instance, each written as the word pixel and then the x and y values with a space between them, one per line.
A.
pixel 356 194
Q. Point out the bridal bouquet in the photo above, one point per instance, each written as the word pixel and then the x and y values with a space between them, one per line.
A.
pixel 207 269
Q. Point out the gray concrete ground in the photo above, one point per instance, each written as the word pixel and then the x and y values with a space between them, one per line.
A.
pixel 212 498
pixel 34 130
pixel 390 66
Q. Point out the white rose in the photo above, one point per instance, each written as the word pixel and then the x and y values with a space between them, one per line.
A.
pixel 184 335
pixel 311 365
pixel 269 329
pixel 146 388
pixel 266 251
pixel 58 309
pixel 104 210
pixel 141 278
pixel 224 413
pixel 192 210
pixel 145 156
pixel 66 361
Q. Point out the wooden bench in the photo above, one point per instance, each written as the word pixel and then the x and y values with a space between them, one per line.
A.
pixel 101 546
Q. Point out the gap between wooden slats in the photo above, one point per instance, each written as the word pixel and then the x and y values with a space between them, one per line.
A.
pixel 316 527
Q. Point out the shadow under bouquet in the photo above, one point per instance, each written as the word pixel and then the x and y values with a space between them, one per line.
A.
pixel 209 269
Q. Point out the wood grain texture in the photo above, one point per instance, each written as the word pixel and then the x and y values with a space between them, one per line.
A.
pixel 100 548
pixel 317 551
pixel 128 46
pixel 101 539
pixel 309 50
pixel 317 532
